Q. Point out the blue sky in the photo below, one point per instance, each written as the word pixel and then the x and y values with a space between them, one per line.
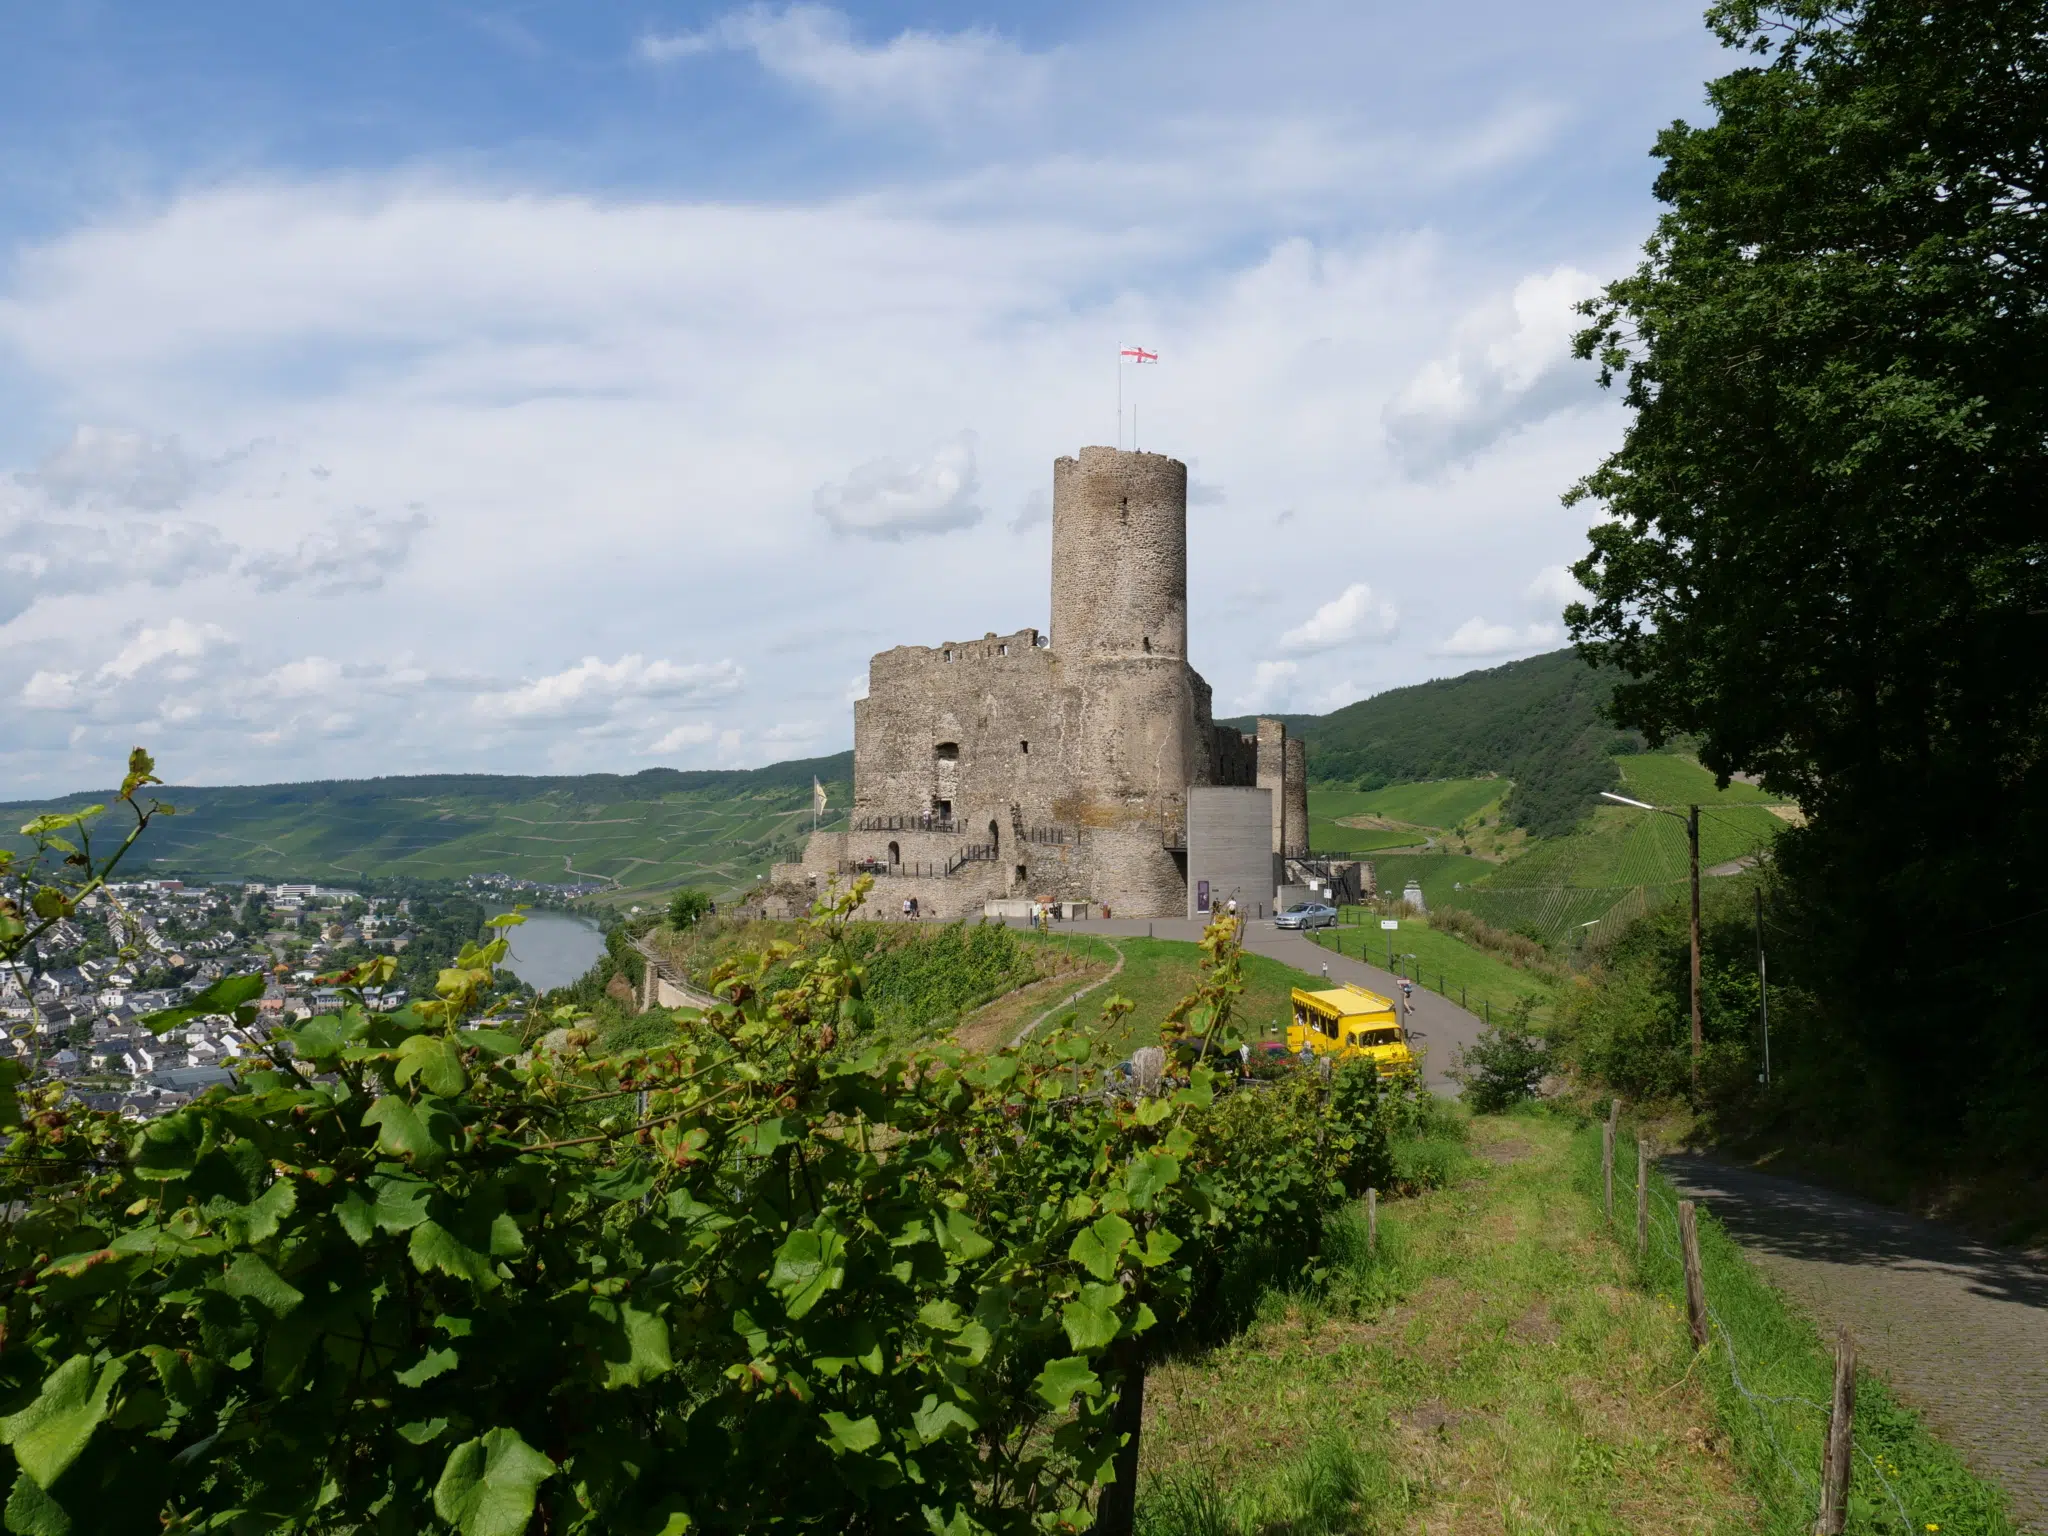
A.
pixel 553 387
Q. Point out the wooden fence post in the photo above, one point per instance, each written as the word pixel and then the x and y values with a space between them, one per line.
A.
pixel 1372 1222
pixel 1116 1510
pixel 1642 1198
pixel 1695 1287
pixel 1607 1168
pixel 1835 1463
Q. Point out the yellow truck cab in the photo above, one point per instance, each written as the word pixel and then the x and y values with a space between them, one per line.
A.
pixel 1349 1021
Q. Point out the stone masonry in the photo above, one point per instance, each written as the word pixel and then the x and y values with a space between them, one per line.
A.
pixel 1054 767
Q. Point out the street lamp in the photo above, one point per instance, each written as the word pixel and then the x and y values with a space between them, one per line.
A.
pixel 1691 818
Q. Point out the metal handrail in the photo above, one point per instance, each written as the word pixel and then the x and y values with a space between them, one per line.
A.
pixel 917 823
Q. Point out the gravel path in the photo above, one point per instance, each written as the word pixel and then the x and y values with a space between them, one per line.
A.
pixel 1957 1327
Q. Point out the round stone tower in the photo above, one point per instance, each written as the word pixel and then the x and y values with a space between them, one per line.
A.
pixel 1120 645
pixel 1119 555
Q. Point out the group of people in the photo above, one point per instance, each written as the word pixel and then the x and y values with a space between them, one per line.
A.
pixel 910 911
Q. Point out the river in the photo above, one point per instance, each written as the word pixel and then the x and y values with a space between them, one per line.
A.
pixel 552 949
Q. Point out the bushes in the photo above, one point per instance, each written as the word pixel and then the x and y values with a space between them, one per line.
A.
pixel 750 1280
pixel 1504 1065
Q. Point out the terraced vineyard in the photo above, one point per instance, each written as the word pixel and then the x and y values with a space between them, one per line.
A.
pixel 1618 862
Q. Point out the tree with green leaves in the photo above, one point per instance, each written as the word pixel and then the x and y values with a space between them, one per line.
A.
pixel 1825 554
pixel 687 907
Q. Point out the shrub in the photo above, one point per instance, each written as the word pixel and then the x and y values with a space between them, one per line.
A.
pixel 408 1275
pixel 1505 1064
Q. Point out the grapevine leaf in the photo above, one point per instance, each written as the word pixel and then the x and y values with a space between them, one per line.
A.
pixel 435 1061
pixel 846 1434
pixel 1152 1111
pixel 934 1420
pixel 253 1280
pixel 1160 1245
pixel 401 1203
pixel 1149 1175
pixel 806 1267
pixel 51 1432
pixel 32 1512
pixel 960 1237
pixel 434 1362
pixel 1095 1248
pixel 357 1218
pixel 487 1487
pixel 224 996
pixel 269 1209
pixel 401 1129
pixel 637 1350
pixel 423 1431
pixel 1091 1320
pixel 434 1247
pixel 1061 1379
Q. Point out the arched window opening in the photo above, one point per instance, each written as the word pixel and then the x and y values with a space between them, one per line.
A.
pixel 895 856
pixel 995 835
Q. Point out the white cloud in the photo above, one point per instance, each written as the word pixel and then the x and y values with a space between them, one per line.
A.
pixel 51 690
pixel 932 75
pixel 594 689
pixel 1036 512
pixel 695 733
pixel 1511 366
pixel 178 641
pixel 350 554
pixel 1554 587
pixel 1272 686
pixel 1476 637
pixel 42 559
pixel 107 467
pixel 889 499
pixel 1353 615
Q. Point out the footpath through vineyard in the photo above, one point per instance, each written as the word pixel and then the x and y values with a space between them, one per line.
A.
pixel 1495 1369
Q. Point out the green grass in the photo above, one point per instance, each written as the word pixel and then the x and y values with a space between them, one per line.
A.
pixel 1467 975
pixel 1666 778
pixel 1327 836
pixel 1158 973
pixel 1777 1425
pixel 1618 862
pixel 1503 1364
pixel 1439 874
pixel 1435 803
pixel 1491 1369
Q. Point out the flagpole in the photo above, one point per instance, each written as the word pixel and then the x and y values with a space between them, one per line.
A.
pixel 1119 401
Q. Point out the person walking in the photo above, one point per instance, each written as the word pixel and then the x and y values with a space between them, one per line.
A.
pixel 1231 908
pixel 906 909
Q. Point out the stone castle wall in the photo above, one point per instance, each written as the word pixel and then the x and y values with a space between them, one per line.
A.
pixel 1063 763
pixel 1294 824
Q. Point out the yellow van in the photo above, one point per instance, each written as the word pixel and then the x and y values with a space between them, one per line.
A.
pixel 1349 1021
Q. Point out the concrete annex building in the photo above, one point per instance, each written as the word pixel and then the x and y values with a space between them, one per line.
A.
pixel 1082 766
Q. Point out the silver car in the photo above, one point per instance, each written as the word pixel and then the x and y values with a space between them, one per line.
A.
pixel 1307 914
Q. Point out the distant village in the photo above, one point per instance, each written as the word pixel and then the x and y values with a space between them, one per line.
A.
pixel 73 1010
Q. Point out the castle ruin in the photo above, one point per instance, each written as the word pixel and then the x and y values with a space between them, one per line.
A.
pixel 1083 766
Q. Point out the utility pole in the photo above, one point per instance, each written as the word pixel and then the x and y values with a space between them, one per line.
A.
pixel 1692 833
pixel 1763 995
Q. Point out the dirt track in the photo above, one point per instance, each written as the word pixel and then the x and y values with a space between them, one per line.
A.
pixel 1958 1328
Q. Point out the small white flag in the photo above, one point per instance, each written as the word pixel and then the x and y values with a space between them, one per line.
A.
pixel 817 797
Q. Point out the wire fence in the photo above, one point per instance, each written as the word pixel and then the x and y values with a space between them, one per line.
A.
pixel 1663 1229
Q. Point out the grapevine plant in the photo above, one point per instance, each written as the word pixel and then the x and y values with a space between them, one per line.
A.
pixel 432 1269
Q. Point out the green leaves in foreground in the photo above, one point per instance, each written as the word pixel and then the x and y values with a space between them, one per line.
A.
pixel 488 1486
pixel 750 1281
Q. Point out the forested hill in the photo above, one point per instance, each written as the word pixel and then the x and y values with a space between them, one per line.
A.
pixel 648 830
pixel 1538 722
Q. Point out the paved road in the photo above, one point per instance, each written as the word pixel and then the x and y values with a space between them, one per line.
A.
pixel 1958 1328
pixel 1437 1024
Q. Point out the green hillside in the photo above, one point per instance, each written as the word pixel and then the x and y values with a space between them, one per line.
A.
pixel 1538 722
pixel 640 832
